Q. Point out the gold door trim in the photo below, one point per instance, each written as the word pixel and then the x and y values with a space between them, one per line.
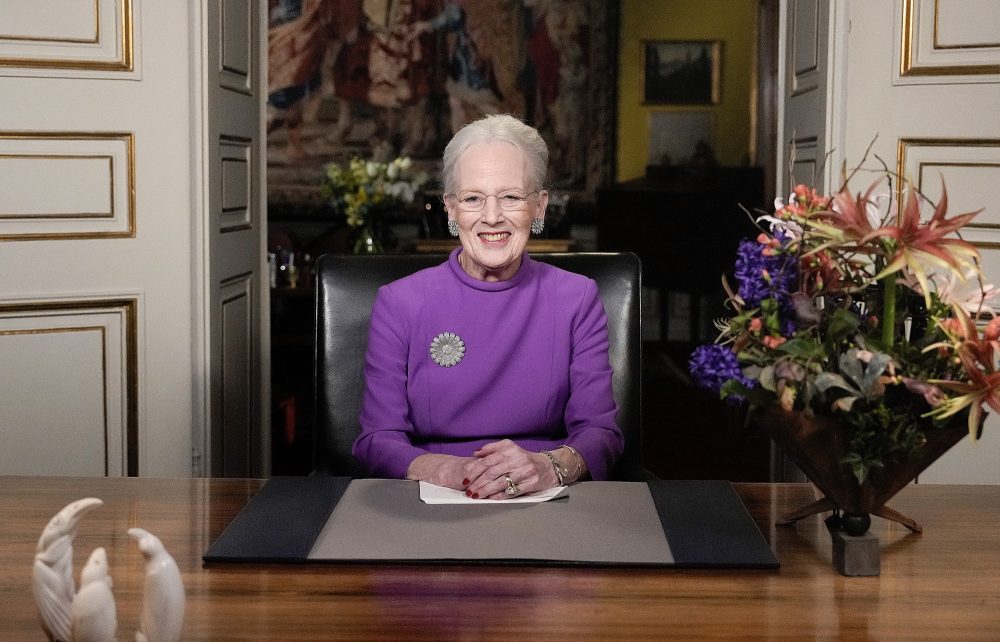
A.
pixel 128 139
pixel 125 62
pixel 128 307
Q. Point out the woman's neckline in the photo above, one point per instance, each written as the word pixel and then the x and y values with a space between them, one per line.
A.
pixel 488 286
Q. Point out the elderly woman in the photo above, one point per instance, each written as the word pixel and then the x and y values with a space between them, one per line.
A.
pixel 489 373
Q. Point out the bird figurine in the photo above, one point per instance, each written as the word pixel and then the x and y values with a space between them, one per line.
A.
pixel 162 615
pixel 52 574
pixel 93 616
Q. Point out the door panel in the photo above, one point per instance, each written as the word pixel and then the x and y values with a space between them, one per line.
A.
pixel 236 389
pixel 69 387
pixel 804 110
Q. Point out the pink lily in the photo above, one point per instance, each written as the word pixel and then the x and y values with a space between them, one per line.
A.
pixel 927 242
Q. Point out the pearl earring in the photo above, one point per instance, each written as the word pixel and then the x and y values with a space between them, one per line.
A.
pixel 452 227
pixel 537 226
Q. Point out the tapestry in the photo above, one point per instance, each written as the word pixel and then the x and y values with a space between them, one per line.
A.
pixel 377 79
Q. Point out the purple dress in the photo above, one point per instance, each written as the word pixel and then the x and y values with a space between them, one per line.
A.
pixel 535 368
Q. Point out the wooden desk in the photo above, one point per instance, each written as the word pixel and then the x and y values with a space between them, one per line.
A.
pixel 943 584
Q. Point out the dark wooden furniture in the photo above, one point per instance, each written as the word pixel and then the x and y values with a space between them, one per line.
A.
pixel 685 224
pixel 292 350
pixel 938 585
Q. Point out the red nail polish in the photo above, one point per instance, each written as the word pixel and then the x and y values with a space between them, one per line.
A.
pixel 475 495
pixel 468 493
pixel 465 482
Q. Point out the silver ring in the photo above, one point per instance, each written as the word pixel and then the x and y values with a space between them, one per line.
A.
pixel 512 488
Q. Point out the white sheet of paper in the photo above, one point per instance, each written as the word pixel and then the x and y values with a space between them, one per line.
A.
pixel 432 494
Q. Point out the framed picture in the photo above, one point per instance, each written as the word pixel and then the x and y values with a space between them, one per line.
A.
pixel 684 137
pixel 681 72
pixel 377 79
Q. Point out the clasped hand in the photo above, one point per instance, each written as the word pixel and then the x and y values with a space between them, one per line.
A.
pixel 483 476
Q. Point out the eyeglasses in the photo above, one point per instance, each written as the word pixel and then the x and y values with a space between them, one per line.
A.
pixel 476 201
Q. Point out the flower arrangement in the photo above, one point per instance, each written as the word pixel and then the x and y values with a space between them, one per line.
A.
pixel 852 307
pixel 362 190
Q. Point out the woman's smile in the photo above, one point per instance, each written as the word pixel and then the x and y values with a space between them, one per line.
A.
pixel 494 238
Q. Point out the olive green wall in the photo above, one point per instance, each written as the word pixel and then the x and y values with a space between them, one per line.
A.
pixel 734 22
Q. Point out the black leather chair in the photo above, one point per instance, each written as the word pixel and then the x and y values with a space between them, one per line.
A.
pixel 345 290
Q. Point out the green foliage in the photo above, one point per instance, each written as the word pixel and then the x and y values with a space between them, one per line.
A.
pixel 882 431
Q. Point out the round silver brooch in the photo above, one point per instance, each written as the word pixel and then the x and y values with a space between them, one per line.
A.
pixel 447 349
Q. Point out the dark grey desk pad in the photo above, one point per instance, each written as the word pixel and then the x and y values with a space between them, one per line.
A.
pixel 660 523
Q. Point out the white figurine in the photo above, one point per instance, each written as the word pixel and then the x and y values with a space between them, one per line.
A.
pixel 52 575
pixel 90 615
pixel 93 614
pixel 163 592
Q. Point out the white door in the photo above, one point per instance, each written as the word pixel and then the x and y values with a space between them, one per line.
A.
pixel 105 256
pixel 923 76
pixel 920 78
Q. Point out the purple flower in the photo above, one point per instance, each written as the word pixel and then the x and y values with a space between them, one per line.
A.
pixel 713 365
pixel 764 277
pixel 788 323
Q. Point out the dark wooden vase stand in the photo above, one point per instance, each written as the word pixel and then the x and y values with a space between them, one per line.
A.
pixel 817 446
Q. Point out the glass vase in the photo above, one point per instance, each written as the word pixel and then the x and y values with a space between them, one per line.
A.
pixel 366 241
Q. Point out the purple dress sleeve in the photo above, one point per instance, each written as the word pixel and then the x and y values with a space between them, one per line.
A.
pixel 384 447
pixel 590 410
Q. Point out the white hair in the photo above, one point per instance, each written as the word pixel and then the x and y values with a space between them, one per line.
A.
pixel 498 127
